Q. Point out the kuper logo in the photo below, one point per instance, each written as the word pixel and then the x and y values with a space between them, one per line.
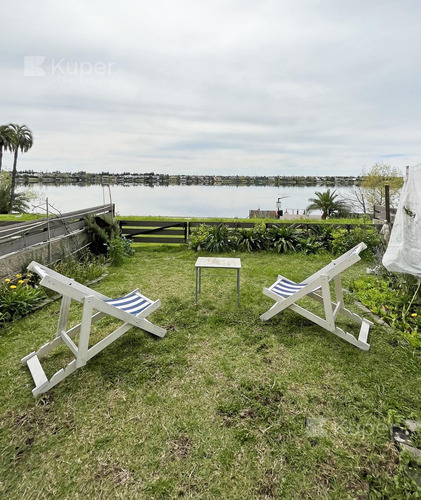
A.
pixel 41 66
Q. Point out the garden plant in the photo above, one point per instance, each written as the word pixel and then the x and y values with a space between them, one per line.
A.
pixel 224 406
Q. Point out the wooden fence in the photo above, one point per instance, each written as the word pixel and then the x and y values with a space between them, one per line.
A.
pixel 15 237
pixel 380 213
pixel 154 231
pixel 178 231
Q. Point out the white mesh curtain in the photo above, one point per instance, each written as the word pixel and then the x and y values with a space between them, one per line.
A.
pixel 403 253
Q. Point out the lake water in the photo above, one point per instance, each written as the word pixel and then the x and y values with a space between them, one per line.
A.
pixel 180 201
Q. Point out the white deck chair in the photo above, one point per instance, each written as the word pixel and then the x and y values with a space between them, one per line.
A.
pixel 132 309
pixel 287 293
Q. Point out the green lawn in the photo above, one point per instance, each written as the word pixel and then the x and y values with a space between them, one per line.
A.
pixel 353 221
pixel 20 217
pixel 224 407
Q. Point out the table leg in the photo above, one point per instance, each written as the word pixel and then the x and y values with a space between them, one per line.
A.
pixel 238 287
pixel 200 280
pixel 197 277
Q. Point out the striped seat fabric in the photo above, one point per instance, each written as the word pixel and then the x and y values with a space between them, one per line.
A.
pixel 134 303
pixel 285 288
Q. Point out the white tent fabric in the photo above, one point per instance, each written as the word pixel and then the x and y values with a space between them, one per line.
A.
pixel 403 254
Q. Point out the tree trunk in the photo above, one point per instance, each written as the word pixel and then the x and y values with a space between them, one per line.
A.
pixel 13 184
pixel 1 155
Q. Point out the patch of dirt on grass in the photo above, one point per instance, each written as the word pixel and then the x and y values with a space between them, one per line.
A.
pixel 180 446
pixel 268 487
pixel 119 475
pixel 247 413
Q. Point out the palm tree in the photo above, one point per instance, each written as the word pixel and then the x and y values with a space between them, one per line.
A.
pixel 21 140
pixel 326 202
pixel 20 200
pixel 5 141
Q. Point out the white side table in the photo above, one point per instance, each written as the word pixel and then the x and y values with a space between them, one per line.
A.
pixel 216 263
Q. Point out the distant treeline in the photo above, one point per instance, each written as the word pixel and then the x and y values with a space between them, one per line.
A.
pixel 153 179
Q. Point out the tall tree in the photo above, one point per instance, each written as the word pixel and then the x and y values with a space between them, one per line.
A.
pixel 372 189
pixel 327 202
pixel 21 200
pixel 5 141
pixel 375 179
pixel 21 140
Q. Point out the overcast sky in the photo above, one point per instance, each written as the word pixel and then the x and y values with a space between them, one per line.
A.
pixel 269 87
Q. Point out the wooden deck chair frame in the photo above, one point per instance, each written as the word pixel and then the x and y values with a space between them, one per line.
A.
pixel 320 282
pixel 95 307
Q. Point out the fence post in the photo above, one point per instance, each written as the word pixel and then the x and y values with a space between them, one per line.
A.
pixel 387 201
pixel 50 257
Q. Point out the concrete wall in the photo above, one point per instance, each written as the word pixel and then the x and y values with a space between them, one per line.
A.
pixel 271 214
pixel 16 262
pixel 289 216
pixel 262 214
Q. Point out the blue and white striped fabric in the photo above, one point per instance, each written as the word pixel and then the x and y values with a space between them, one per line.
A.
pixel 133 303
pixel 285 288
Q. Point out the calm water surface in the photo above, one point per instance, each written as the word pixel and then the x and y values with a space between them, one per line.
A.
pixel 181 201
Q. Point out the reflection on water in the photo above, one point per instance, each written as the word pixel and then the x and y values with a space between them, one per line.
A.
pixel 181 201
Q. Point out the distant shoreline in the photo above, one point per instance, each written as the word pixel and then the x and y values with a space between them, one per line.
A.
pixel 152 179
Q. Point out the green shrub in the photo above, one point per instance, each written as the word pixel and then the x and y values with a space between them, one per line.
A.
pixel 220 239
pixel 198 237
pixel 310 245
pixel 283 239
pixel 344 240
pixel 254 239
pixel 323 234
pixel 118 250
pixel 101 231
pixel 215 239
pixel 84 268
pixel 376 294
pixel 398 308
pixel 18 296
pixel 105 239
pixel 21 199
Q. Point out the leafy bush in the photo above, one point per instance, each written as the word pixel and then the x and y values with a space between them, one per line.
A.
pixel 323 234
pixel 198 237
pixel 118 250
pixel 396 306
pixel 21 199
pixel 84 268
pixel 105 239
pixel 101 231
pixel 284 239
pixel 344 240
pixel 310 245
pixel 220 239
pixel 18 296
pixel 254 239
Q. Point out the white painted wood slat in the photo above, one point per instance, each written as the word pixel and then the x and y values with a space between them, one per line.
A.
pixel 37 371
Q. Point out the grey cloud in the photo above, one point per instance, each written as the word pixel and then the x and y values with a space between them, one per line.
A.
pixel 221 86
